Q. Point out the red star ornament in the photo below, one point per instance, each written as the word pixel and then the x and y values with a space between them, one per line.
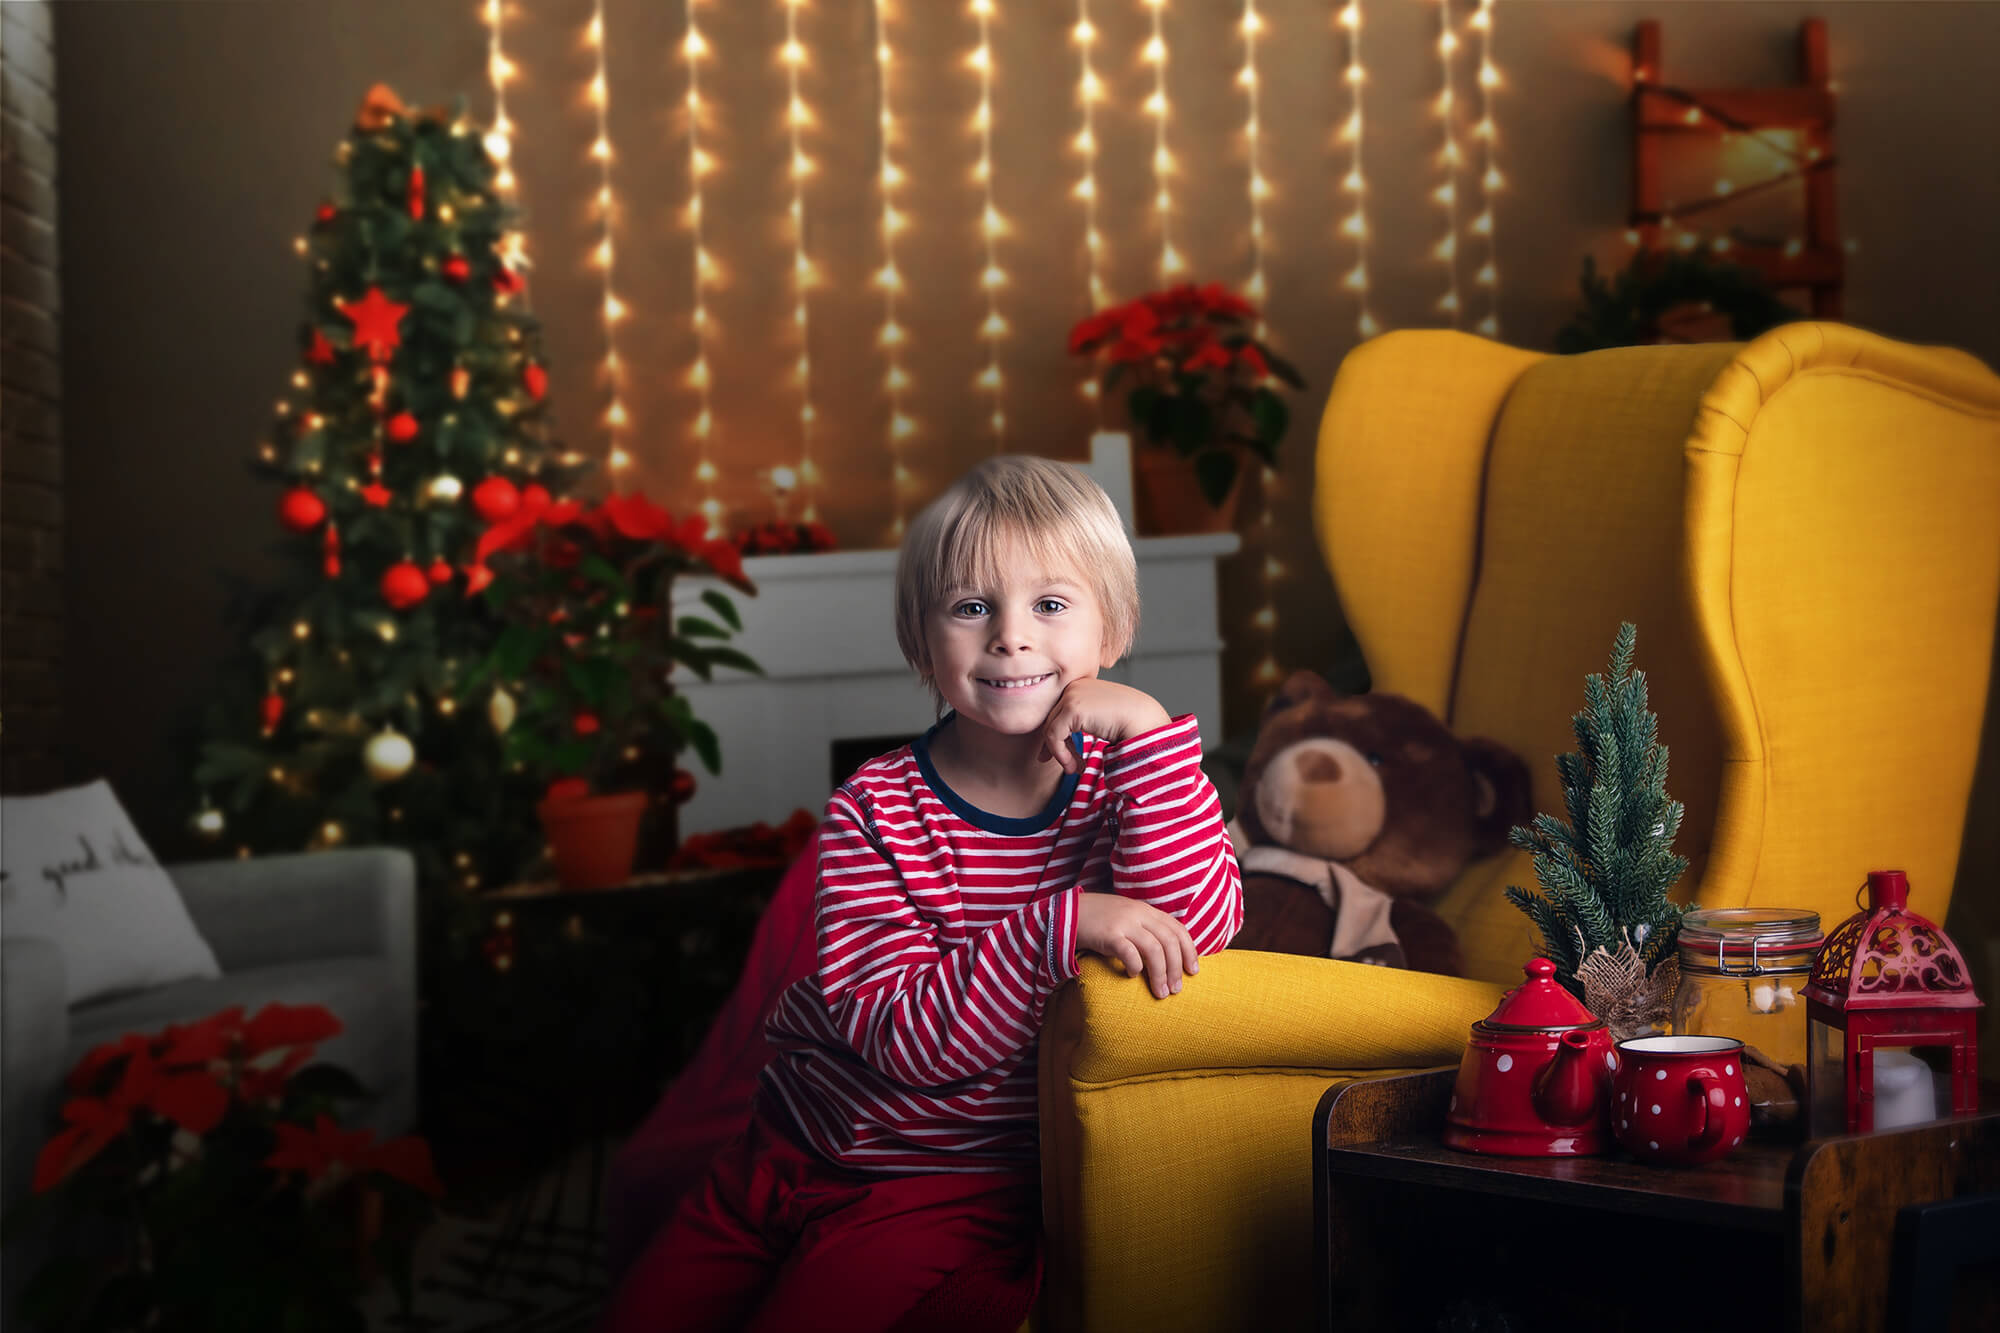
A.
pixel 375 319
pixel 320 353
pixel 377 494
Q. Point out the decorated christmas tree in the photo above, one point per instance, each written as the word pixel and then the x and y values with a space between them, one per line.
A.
pixel 417 420
pixel 1603 912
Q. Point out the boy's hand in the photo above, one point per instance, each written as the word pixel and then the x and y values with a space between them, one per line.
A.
pixel 1149 942
pixel 1102 708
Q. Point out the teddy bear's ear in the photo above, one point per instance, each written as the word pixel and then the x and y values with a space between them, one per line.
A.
pixel 1504 790
pixel 1299 687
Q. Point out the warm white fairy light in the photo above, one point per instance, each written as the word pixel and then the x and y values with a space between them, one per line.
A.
pixel 615 416
pixel 500 138
pixel 1489 177
pixel 797 117
pixel 896 380
pixel 693 47
pixel 1355 225
pixel 992 278
pixel 1266 618
pixel 1089 89
pixel 1449 158
pixel 1171 263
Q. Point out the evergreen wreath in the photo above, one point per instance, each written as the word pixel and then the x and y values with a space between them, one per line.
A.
pixel 1626 309
pixel 1606 872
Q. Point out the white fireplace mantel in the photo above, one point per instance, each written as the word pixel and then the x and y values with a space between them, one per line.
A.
pixel 823 628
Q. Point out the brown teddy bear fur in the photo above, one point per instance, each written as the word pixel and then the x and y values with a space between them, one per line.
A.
pixel 1378 785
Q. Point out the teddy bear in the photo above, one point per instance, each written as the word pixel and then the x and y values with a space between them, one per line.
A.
pixel 1353 814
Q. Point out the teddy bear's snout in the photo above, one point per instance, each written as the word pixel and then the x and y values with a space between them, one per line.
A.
pixel 1323 798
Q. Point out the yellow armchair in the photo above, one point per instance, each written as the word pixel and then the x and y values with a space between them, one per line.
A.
pixel 1805 529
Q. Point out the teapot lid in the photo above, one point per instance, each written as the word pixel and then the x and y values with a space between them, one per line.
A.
pixel 1540 1003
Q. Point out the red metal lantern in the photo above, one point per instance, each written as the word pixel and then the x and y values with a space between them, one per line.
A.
pixel 1892 1020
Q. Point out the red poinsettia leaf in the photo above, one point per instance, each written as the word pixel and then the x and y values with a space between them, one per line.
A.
pixel 1137 320
pixel 1251 357
pixel 505 535
pixel 559 512
pixel 692 531
pixel 64 1153
pixel 298 1149
pixel 99 1058
pixel 727 562
pixel 1094 328
pixel 277 1025
pixel 135 1087
pixel 637 517
pixel 1209 354
pixel 196 1102
pixel 477 577
pixel 204 1042
pixel 407 1159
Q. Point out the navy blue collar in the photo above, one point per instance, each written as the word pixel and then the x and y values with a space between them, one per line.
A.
pixel 972 814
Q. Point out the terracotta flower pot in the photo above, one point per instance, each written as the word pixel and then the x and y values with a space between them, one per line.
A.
pixel 1169 499
pixel 593 838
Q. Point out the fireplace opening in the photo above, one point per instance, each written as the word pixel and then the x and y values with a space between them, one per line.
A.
pixel 851 753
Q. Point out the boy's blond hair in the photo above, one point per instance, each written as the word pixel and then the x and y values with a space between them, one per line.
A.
pixel 1061 515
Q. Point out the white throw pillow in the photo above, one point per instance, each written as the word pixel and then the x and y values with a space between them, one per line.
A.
pixel 74 870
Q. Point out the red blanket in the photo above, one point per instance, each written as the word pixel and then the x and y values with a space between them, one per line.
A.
pixel 709 1103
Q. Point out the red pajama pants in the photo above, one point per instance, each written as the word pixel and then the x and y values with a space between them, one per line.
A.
pixel 774 1238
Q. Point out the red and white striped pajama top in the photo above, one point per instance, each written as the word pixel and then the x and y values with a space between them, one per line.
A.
pixel 942 930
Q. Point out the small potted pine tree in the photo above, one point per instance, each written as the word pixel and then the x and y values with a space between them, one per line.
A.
pixel 1604 915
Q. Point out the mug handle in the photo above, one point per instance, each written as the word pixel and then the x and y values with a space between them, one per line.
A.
pixel 1701 1082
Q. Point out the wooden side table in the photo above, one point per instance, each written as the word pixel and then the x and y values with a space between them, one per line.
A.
pixel 1412 1234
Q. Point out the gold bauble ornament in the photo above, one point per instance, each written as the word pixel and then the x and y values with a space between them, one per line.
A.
pixel 500 710
pixel 388 755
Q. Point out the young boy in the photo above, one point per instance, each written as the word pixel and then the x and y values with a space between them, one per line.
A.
pixel 1048 812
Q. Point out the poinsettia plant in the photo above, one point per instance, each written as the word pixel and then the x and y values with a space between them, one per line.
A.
pixel 1199 378
pixel 201 1181
pixel 583 671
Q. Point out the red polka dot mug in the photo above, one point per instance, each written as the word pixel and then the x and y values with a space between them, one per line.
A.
pixel 1679 1100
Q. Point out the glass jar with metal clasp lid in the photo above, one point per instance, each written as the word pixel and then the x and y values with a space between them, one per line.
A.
pixel 1743 974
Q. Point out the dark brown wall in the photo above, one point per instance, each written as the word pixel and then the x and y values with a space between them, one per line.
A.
pixel 31 438
pixel 198 138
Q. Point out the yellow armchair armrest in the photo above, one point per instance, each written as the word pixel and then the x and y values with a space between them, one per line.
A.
pixel 1177 1133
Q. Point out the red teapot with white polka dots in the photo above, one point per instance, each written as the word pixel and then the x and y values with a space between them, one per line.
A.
pixel 1536 1080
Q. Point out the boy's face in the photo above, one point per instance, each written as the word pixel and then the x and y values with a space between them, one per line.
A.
pixel 1002 655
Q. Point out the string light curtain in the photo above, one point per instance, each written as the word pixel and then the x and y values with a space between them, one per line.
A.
pixel 896 379
pixel 615 416
pixel 693 48
pixel 1446 194
pixel 1355 226
pixel 500 136
pixel 1490 180
pixel 1265 619
pixel 797 117
pixel 992 226
pixel 1171 262
pixel 1088 90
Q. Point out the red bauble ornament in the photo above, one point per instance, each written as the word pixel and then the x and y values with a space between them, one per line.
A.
pixel 440 570
pixel 272 711
pixel 404 585
pixel 535 495
pixel 301 509
pixel 326 214
pixel 495 498
pixel 331 547
pixel 417 194
pixel 455 268
pixel 319 352
pixel 375 319
pixel 535 380
pixel 506 280
pixel 586 724
pixel 402 428
pixel 682 789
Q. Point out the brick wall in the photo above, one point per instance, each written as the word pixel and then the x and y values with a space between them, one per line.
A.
pixel 31 456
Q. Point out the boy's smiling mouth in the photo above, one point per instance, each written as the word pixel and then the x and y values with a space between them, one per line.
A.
pixel 1015 682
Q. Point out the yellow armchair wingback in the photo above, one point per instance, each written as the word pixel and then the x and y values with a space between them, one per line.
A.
pixel 1806 531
